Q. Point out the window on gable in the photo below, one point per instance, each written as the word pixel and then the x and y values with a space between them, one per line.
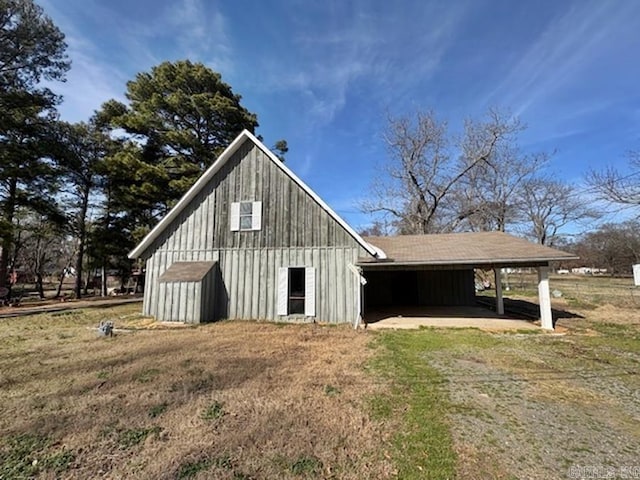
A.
pixel 246 216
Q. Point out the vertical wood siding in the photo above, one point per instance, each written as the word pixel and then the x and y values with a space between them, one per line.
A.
pixel 446 287
pixel 246 287
pixel 419 287
pixel 290 217
pixel 295 231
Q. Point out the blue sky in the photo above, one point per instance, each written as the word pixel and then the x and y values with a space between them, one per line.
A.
pixel 323 75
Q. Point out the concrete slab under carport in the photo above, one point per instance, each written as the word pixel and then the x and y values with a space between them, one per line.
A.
pixel 444 317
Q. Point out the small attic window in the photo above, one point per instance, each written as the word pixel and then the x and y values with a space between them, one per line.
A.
pixel 246 216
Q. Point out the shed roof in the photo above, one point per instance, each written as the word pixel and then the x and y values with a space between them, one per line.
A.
pixel 245 135
pixel 186 271
pixel 478 248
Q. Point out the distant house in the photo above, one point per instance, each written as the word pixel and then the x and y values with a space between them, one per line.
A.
pixel 250 240
pixel 588 271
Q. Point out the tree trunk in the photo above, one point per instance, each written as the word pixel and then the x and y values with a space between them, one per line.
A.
pixel 39 285
pixel 37 267
pixel 7 238
pixel 65 269
pixel 103 281
pixel 87 282
pixel 82 233
pixel 60 282
pixel 4 260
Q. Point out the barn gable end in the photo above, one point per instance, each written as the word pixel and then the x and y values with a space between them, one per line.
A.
pixel 254 217
pixel 290 216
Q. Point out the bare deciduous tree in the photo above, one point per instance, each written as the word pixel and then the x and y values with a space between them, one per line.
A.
pixel 416 187
pixel 378 228
pixel 487 199
pixel 614 246
pixel 611 185
pixel 548 205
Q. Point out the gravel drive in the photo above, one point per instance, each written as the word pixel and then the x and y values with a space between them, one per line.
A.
pixel 543 406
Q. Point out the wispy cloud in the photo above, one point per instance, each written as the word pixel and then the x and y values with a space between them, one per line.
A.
pixel 360 51
pixel 90 82
pixel 200 31
pixel 183 29
pixel 88 86
pixel 568 45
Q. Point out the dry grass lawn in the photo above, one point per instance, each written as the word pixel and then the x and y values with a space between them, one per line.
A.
pixel 246 400
pixel 228 400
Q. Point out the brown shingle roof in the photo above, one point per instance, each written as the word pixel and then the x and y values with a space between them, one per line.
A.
pixel 186 271
pixel 464 248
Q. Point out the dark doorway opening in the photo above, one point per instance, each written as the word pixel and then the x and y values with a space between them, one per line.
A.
pixel 418 288
pixel 296 290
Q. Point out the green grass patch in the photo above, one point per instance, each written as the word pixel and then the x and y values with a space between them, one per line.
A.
pixel 517 291
pixel 306 466
pixel 580 303
pixel 191 469
pixel 133 436
pixel 213 411
pixel 613 329
pixel 332 391
pixel 624 340
pixel 157 410
pixel 28 455
pixel 381 407
pixel 423 447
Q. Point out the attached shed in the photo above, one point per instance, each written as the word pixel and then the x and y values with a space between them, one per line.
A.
pixel 189 292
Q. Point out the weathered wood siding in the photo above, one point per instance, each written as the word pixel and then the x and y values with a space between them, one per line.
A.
pixel 387 288
pixel 247 283
pixel 446 287
pixel 187 301
pixel 290 217
pixel 296 231
pixel 174 308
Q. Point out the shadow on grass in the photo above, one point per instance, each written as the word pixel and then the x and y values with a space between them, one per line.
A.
pixel 526 309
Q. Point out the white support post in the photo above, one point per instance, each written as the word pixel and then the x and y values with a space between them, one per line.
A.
pixel 545 298
pixel 497 273
pixel 359 286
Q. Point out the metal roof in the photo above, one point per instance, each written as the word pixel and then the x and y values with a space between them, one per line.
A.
pixel 477 248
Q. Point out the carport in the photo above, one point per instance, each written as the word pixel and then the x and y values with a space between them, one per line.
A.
pixel 418 271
